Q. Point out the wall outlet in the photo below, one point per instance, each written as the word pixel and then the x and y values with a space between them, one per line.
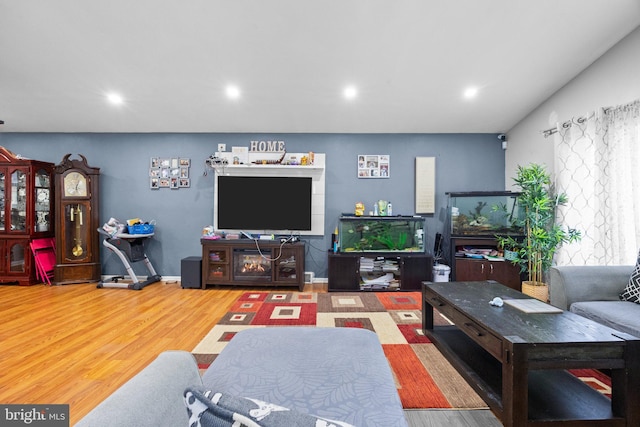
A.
pixel 222 147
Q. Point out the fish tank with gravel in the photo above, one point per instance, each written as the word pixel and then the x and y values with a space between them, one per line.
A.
pixel 382 234
pixel 484 213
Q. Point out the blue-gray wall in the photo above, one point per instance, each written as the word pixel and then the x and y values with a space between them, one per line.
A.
pixel 464 162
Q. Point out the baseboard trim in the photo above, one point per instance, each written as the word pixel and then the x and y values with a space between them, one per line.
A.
pixel 178 279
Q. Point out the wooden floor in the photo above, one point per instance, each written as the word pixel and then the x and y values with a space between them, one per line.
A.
pixel 451 418
pixel 76 344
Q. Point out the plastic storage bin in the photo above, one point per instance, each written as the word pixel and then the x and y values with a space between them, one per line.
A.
pixel 441 273
pixel 141 228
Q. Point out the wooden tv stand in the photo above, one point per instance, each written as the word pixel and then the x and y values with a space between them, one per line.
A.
pixel 248 262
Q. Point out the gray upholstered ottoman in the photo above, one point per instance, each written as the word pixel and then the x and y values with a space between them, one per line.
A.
pixel 336 373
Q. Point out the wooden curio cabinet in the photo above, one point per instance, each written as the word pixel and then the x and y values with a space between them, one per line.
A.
pixel 26 197
pixel 77 221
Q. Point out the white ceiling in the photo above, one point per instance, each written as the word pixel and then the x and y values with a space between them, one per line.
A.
pixel 410 60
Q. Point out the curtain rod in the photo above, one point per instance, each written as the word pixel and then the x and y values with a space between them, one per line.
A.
pixel 548 132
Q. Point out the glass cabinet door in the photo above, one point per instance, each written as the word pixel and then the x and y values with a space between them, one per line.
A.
pixel 286 269
pixel 217 262
pixel 2 202
pixel 18 219
pixel 76 239
pixel 17 260
pixel 42 201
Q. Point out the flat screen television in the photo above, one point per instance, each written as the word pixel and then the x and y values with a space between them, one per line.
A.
pixel 264 203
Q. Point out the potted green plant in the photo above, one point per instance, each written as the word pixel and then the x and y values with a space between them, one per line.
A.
pixel 538 202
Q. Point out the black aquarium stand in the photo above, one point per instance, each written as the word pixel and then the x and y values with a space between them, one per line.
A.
pixel 345 269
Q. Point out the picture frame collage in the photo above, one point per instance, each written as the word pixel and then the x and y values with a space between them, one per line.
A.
pixel 169 172
pixel 374 166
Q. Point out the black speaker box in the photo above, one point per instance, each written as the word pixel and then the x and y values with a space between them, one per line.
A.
pixel 191 272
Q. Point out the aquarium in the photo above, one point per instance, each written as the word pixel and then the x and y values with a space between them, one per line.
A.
pixel 484 213
pixel 381 234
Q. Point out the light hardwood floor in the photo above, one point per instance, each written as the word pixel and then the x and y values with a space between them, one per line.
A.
pixel 451 418
pixel 76 344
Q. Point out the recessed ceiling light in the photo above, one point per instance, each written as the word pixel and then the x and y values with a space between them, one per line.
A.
pixel 115 98
pixel 471 92
pixel 350 92
pixel 233 92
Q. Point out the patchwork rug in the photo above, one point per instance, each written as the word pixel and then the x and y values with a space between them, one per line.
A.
pixel 595 379
pixel 424 378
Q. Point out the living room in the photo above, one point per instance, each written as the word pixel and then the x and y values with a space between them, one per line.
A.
pixel 465 161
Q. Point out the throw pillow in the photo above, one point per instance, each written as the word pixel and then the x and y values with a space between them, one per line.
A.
pixel 632 290
pixel 207 408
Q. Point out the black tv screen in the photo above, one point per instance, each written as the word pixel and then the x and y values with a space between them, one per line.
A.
pixel 264 203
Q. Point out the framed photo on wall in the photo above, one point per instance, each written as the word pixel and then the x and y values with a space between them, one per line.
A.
pixel 374 166
pixel 169 172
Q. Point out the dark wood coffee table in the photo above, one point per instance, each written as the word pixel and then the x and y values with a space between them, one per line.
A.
pixel 517 361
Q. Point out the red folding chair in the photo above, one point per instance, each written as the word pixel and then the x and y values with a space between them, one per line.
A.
pixel 44 254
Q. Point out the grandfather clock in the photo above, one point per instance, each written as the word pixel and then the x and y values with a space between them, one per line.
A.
pixel 77 216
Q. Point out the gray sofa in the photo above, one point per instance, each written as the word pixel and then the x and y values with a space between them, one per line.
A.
pixel 334 373
pixel 594 292
pixel 152 397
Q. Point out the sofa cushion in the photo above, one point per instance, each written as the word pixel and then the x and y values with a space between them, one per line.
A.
pixel 620 315
pixel 631 292
pixel 207 408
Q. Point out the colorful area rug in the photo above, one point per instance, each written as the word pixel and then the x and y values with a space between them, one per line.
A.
pixel 595 379
pixel 424 378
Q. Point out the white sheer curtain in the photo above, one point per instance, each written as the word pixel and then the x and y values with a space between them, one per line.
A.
pixel 597 160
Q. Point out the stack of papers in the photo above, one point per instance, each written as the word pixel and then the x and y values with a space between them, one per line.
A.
pixel 378 273
pixel 387 281
pixel 390 265
pixel 530 305
pixel 480 253
pixel 366 264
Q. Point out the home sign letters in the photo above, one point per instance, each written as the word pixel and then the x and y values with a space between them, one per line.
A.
pixel 267 146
